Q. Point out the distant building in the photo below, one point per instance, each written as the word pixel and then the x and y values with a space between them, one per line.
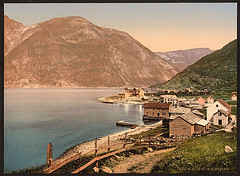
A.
pixel 234 96
pixel 156 111
pixel 194 104
pixel 130 93
pixel 186 125
pixel 218 105
pixel 176 111
pixel 173 99
pixel 210 100
pixel 201 101
pixel 220 118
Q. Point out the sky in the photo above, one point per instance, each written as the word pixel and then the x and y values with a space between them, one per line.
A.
pixel 160 27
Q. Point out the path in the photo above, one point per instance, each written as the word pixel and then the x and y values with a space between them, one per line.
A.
pixel 140 163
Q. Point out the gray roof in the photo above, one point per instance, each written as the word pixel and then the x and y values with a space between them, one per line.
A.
pixel 191 118
pixel 202 122
pixel 222 111
pixel 197 112
pixel 179 110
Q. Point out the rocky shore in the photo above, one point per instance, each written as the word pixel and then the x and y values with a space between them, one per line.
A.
pixel 114 138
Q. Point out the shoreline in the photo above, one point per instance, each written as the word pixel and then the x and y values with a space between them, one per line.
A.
pixel 114 138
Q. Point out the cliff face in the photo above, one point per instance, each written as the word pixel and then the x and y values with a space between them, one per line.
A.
pixel 72 52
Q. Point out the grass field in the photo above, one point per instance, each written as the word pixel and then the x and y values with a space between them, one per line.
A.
pixel 232 102
pixel 203 154
pixel 234 111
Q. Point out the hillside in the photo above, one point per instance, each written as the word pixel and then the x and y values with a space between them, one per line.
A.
pixel 72 52
pixel 181 59
pixel 216 72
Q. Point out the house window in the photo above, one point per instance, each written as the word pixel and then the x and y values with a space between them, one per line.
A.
pixel 219 122
pixel 216 105
pixel 158 114
pixel 163 113
pixel 153 113
pixel 220 114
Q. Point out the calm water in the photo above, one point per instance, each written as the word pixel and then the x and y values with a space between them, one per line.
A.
pixel 64 117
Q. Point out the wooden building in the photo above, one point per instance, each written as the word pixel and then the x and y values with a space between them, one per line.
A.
pixel 156 111
pixel 186 125
pixel 130 93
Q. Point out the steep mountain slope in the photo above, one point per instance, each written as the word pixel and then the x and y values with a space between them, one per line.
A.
pixel 15 33
pixel 216 72
pixel 72 52
pixel 181 59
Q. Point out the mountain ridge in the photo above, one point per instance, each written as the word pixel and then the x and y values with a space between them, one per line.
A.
pixel 215 72
pixel 73 52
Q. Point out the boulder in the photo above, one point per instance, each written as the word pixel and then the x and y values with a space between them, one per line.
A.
pixel 150 149
pixel 96 169
pixel 107 170
pixel 228 149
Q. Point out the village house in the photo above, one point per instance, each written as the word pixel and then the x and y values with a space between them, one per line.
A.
pixel 173 99
pixel 210 100
pixel 218 105
pixel 156 111
pixel 186 125
pixel 234 96
pixel 176 111
pixel 194 104
pixel 220 118
pixel 201 101
pixel 130 93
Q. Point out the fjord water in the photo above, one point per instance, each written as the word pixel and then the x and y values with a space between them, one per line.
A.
pixel 64 117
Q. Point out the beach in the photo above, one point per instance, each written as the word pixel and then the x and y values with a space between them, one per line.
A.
pixel 114 139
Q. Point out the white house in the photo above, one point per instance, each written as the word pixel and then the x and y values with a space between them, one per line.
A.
pixel 210 100
pixel 220 118
pixel 218 105
pixel 173 99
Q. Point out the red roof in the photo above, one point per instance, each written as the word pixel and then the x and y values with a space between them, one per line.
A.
pixel 157 105
pixel 224 103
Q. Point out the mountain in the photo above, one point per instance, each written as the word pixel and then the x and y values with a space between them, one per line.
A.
pixel 181 59
pixel 72 52
pixel 216 72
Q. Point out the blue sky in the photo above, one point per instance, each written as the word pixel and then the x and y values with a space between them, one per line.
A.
pixel 158 26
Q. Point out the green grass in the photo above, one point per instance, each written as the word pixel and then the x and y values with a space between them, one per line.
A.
pixel 216 72
pixel 232 102
pixel 153 132
pixel 234 111
pixel 202 154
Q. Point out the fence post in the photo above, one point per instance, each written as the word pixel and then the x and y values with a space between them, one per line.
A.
pixel 49 155
pixel 125 140
pixel 149 139
pixel 108 144
pixel 96 151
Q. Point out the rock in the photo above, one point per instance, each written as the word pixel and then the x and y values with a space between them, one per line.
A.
pixel 96 169
pixel 228 149
pixel 150 149
pixel 107 170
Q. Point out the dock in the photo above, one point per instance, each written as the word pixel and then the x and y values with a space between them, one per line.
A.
pixel 128 124
pixel 152 118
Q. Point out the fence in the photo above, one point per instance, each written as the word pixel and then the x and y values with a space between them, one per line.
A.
pixel 142 143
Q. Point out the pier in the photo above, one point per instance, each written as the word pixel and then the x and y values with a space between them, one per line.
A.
pixel 128 124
